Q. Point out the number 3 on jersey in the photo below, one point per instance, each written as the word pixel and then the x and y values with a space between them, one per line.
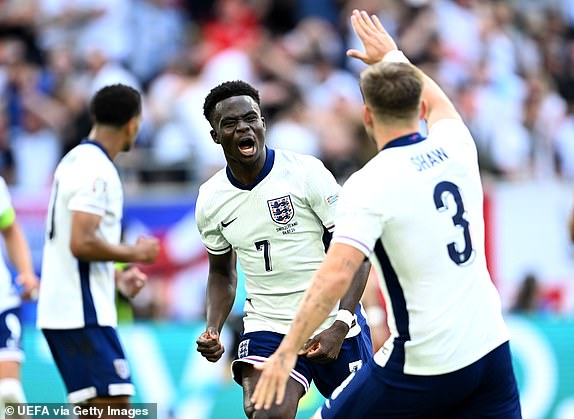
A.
pixel 441 192
pixel 266 247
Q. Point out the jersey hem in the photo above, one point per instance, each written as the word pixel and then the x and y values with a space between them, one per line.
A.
pixel 53 326
pixel 378 358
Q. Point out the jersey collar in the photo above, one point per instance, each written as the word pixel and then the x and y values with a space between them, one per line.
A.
pixel 101 147
pixel 269 160
pixel 408 139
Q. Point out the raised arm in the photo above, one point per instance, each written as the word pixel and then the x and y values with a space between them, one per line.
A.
pixel 221 288
pixel 379 45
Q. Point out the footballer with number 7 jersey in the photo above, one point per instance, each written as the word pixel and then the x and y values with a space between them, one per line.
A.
pixel 273 209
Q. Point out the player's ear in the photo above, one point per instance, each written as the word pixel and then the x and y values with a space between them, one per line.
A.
pixel 263 122
pixel 424 108
pixel 367 117
pixel 132 127
pixel 214 136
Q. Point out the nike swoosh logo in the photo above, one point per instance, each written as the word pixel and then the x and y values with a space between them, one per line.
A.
pixel 224 224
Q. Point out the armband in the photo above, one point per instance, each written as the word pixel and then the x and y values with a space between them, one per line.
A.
pixel 395 56
pixel 121 266
pixel 346 317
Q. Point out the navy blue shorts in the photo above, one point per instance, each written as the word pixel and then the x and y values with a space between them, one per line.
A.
pixel 256 347
pixel 484 389
pixel 91 362
pixel 11 336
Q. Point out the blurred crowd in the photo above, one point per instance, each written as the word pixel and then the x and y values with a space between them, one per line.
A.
pixel 509 66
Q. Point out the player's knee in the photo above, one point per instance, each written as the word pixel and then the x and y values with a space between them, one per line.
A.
pixel 11 391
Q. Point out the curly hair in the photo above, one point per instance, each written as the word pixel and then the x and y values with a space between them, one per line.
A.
pixel 225 91
pixel 115 105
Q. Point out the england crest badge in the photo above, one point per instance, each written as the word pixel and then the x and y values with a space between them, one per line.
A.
pixel 281 209
pixel 122 368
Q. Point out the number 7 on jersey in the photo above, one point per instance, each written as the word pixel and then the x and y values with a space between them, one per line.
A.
pixel 265 246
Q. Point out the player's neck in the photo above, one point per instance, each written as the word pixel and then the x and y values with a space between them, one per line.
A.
pixel 385 134
pixel 110 140
pixel 246 174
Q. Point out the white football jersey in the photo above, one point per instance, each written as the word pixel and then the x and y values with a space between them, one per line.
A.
pixel 275 226
pixel 416 210
pixel 9 296
pixel 76 293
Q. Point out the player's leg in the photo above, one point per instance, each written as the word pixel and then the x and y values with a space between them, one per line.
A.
pixel 286 410
pixel 11 356
pixel 254 348
pixel 108 404
pixel 10 386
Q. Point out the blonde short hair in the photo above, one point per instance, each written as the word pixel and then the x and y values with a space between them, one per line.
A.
pixel 392 91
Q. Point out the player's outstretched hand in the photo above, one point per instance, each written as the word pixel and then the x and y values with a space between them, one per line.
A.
pixel 375 39
pixel 29 283
pixel 147 249
pixel 130 281
pixel 325 346
pixel 273 379
pixel 209 345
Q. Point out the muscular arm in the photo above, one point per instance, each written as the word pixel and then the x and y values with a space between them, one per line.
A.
pixel 86 244
pixel 351 299
pixel 439 106
pixel 329 284
pixel 221 287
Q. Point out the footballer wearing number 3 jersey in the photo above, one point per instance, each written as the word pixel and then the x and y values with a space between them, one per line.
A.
pixel 415 209
pixel 273 209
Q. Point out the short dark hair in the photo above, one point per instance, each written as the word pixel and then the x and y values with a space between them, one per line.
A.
pixel 115 105
pixel 392 90
pixel 225 91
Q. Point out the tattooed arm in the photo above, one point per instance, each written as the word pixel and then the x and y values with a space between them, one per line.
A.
pixel 329 284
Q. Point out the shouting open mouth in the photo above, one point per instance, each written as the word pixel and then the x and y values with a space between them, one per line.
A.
pixel 247 146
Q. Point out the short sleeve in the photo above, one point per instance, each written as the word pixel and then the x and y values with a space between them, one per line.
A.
pixel 455 130
pixel 359 221
pixel 209 230
pixel 91 195
pixel 7 214
pixel 322 192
